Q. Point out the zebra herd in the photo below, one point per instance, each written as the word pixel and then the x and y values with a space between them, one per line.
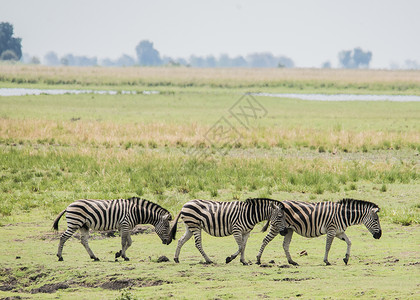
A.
pixel 219 219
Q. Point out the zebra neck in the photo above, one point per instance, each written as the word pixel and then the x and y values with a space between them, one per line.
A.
pixel 147 216
pixel 353 215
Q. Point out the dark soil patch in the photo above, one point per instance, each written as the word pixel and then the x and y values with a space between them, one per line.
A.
pixel 50 288
pixel 162 258
pixel 292 279
pixel 285 266
pixel 413 263
pixel 118 284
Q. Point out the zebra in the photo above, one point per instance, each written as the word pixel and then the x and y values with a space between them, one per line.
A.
pixel 120 214
pixel 226 218
pixel 331 218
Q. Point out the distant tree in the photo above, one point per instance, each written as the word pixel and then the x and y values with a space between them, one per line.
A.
pixel 35 60
pixel 356 58
pixel 262 60
pixel 210 61
pixel 285 62
pixel 8 42
pixel 71 60
pixel 197 61
pixel 26 58
pixel 268 60
pixel 51 59
pixel 181 61
pixel 411 64
pixel 126 61
pixel 64 61
pixel 238 62
pixel 147 55
pixel 326 65
pixel 224 61
pixel 8 55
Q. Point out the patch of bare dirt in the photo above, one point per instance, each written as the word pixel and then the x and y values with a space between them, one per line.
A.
pixel 118 284
pixel 292 279
pixel 50 288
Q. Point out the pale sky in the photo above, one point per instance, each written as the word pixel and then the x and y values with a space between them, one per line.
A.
pixel 309 32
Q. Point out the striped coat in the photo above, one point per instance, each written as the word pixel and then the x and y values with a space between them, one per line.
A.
pixel 220 219
pixel 330 218
pixel 120 214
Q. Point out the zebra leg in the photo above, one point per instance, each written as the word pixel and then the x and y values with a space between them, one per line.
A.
pixel 187 235
pixel 244 240
pixel 125 243
pixel 269 237
pixel 239 239
pixel 344 237
pixel 286 244
pixel 198 244
pixel 330 238
pixel 84 240
pixel 64 237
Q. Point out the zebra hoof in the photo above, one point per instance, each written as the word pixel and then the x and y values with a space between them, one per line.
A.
pixel 228 259
pixel 244 263
pixel 126 259
pixel 95 259
pixel 118 254
pixel 293 263
pixel 60 259
pixel 176 260
pixel 346 260
pixel 327 263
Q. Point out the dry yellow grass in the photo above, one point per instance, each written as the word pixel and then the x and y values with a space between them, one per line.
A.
pixel 196 76
pixel 153 135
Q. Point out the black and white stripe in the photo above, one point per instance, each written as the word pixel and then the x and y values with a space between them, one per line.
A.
pixel 219 219
pixel 120 214
pixel 330 218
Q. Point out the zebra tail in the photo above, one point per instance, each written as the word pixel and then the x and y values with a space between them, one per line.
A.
pixel 55 224
pixel 264 229
pixel 173 230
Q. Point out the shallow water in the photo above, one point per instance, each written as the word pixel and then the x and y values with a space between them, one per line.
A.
pixel 26 91
pixel 344 97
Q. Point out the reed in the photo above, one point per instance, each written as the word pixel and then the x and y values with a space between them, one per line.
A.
pixel 297 79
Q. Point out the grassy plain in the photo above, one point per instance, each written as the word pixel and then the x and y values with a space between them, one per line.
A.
pixel 164 147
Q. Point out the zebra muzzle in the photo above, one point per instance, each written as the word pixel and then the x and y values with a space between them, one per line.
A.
pixel 378 234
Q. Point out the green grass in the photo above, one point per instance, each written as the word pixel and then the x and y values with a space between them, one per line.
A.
pixel 56 149
pixel 390 272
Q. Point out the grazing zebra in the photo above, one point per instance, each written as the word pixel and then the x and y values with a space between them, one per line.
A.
pixel 226 218
pixel 121 214
pixel 331 218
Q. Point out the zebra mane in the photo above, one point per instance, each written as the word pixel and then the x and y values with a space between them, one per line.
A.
pixel 348 201
pixel 165 211
pixel 259 200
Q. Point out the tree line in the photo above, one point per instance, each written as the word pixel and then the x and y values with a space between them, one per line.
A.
pixel 148 55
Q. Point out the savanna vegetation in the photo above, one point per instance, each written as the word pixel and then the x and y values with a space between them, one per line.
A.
pixel 167 148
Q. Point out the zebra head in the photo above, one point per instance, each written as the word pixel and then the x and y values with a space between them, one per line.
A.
pixel 371 222
pixel 278 219
pixel 162 228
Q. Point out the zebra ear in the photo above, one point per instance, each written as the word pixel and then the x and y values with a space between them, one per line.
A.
pixel 167 217
pixel 376 209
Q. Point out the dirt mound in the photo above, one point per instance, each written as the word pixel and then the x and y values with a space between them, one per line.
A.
pixel 50 288
pixel 118 284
